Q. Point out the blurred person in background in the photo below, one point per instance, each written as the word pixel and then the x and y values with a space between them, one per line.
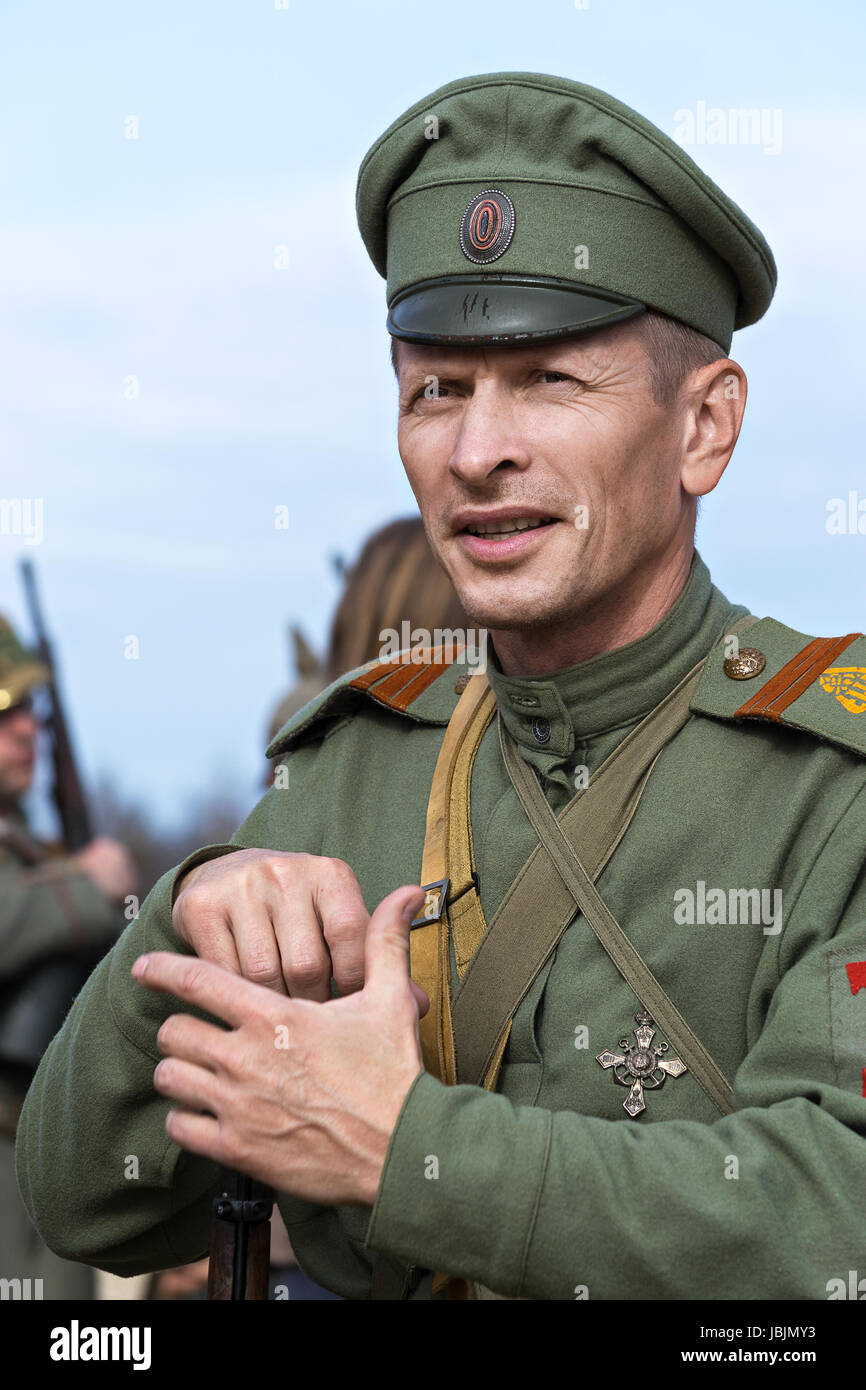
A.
pixel 395 580
pixel 59 914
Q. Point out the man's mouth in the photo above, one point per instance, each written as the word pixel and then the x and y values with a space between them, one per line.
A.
pixel 503 539
pixel 502 529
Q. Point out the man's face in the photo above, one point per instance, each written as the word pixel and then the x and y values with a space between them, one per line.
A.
pixel 564 436
pixel 18 729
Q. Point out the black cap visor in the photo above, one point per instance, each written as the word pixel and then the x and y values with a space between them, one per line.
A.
pixel 479 308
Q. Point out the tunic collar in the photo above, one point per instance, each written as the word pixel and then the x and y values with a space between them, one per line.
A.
pixel 551 715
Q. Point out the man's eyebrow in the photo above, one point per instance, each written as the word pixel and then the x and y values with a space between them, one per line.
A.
pixel 453 365
pixel 412 372
pixel 551 358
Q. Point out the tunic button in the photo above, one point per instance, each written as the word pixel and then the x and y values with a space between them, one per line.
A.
pixel 749 663
pixel 541 730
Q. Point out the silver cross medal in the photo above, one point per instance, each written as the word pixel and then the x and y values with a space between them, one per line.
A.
pixel 640 1067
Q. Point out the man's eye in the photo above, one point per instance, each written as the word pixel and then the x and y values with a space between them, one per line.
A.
pixel 432 391
pixel 554 376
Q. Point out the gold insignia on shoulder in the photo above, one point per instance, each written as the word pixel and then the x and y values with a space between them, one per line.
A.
pixel 848 684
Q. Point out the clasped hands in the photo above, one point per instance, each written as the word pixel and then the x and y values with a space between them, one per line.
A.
pixel 304 1091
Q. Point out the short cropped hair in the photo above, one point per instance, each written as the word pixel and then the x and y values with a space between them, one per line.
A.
pixel 674 351
pixel 673 348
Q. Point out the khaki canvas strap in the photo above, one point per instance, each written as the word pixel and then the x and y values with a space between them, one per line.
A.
pixel 448 854
pixel 625 957
pixel 539 906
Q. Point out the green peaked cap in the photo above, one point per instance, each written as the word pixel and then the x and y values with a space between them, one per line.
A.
pixel 514 206
pixel 20 670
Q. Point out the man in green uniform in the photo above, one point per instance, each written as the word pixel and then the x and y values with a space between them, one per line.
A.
pixel 52 905
pixel 642 935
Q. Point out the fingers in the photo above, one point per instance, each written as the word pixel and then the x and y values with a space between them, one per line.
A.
pixel 198 1134
pixel 258 949
pixel 320 921
pixel 305 965
pixel 285 920
pixel 208 986
pixel 193 1040
pixel 387 946
pixel 240 939
pixel 205 927
pixel 195 1087
pixel 344 917
pixel 422 999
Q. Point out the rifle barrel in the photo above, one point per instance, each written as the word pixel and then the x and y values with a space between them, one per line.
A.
pixel 68 790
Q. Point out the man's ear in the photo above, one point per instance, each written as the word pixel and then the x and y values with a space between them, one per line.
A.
pixel 711 403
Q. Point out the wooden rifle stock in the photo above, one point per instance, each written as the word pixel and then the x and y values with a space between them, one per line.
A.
pixel 240 1250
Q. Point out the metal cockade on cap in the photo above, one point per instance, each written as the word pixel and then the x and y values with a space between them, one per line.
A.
pixel 487 226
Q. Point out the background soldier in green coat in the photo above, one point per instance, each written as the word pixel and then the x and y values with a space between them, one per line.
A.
pixel 51 905
pixel 563 284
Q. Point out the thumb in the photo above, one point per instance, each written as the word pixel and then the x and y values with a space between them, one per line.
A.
pixel 386 946
pixel 422 998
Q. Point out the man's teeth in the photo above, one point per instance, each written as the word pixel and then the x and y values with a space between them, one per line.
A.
pixel 507 528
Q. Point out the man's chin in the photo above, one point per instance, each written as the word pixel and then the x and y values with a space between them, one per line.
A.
pixel 510 614
pixel 518 596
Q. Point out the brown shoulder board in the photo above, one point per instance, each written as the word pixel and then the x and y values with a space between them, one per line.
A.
pixel 398 681
pixel 781 690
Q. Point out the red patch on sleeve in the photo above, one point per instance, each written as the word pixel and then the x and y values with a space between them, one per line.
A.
pixel 864 1083
pixel 856 975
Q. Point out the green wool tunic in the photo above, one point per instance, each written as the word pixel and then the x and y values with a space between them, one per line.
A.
pixel 547 1189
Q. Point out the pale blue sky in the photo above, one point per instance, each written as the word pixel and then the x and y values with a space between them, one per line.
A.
pixel 154 257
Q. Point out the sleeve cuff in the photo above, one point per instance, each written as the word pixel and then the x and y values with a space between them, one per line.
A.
pixel 461 1184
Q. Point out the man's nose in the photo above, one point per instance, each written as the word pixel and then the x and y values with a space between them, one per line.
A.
pixel 489 438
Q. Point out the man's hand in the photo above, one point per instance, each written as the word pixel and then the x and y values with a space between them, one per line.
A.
pixel 110 865
pixel 300 1095
pixel 288 921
